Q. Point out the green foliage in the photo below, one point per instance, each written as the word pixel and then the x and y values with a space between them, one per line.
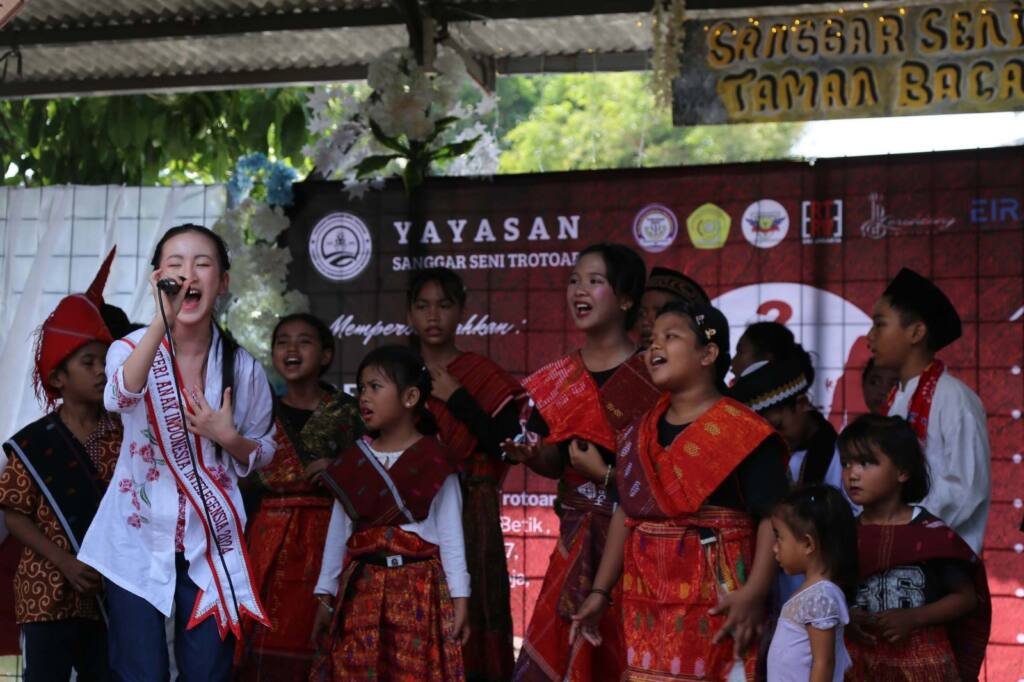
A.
pixel 610 120
pixel 149 139
pixel 544 123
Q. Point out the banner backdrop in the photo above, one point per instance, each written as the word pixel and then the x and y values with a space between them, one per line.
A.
pixel 808 245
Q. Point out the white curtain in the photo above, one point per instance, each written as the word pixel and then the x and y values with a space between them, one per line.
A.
pixel 16 358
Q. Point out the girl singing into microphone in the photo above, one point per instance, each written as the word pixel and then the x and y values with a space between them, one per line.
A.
pixel 197 416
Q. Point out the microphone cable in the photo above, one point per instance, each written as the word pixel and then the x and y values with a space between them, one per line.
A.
pixel 188 441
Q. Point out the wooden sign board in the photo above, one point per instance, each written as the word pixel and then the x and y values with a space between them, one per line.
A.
pixel 940 58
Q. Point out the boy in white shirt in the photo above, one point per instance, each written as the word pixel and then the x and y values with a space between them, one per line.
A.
pixel 912 321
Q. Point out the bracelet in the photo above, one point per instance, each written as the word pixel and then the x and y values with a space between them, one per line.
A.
pixel 604 593
pixel 325 601
pixel 608 475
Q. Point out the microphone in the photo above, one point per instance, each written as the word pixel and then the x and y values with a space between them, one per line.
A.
pixel 169 286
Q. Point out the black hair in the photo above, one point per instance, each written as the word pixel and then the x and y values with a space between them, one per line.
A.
pixel 448 280
pixel 797 353
pixel 625 271
pixel 403 366
pixel 771 340
pixel 822 512
pixel 228 344
pixel 689 311
pixel 222 248
pixel 896 439
pixel 323 332
pixel 904 307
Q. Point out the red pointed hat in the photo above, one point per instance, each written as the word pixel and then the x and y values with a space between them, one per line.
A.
pixel 75 322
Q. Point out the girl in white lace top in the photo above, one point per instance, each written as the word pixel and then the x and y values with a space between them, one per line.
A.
pixel 815 534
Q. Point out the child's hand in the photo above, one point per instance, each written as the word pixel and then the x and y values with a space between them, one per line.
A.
pixel 744 611
pixel 862 625
pixel 317 466
pixel 460 629
pixel 203 420
pixel 443 383
pixel 585 621
pixel 171 304
pixel 321 622
pixel 520 452
pixel 896 624
pixel 83 578
pixel 585 459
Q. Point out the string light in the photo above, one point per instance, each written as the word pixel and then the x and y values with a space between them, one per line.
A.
pixel 841 10
pixel 865 5
pixel 984 11
pixel 903 10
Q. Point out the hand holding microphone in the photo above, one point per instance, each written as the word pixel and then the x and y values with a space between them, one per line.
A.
pixel 170 294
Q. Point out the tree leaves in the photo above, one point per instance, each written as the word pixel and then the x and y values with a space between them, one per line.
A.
pixel 147 139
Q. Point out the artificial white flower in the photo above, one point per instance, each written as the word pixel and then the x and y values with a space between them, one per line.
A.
pixel 268 222
pixel 449 64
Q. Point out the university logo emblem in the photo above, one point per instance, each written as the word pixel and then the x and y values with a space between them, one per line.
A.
pixel 708 227
pixel 765 223
pixel 821 222
pixel 655 228
pixel 340 246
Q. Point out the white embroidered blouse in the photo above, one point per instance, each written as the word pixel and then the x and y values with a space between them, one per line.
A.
pixel 131 541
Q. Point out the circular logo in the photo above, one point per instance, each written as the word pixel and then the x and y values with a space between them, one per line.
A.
pixel 655 228
pixel 765 223
pixel 340 246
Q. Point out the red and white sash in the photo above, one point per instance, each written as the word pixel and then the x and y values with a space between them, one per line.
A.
pixel 226 594
pixel 920 407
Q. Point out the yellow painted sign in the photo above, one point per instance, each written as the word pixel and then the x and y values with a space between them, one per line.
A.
pixel 921 59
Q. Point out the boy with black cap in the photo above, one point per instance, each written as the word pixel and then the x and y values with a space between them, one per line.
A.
pixel 777 391
pixel 58 470
pixel 665 285
pixel 912 321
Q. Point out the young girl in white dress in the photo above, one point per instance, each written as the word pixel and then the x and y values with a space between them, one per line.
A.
pixel 815 535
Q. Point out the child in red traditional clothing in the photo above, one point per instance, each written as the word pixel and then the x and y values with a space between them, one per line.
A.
pixel 315 421
pixel 476 405
pixel 393 584
pixel 922 609
pixel 697 479
pixel 59 467
pixel 582 401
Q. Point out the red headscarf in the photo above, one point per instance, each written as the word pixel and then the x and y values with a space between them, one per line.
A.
pixel 75 322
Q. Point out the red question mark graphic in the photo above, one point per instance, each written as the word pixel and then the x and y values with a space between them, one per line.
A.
pixel 783 311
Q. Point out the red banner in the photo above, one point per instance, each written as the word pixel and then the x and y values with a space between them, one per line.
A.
pixel 809 245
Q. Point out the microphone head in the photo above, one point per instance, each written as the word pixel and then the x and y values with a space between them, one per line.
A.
pixel 169 286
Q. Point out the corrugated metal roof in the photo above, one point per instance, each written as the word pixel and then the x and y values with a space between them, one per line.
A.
pixel 71 46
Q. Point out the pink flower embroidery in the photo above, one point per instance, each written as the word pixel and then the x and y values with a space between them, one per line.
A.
pixel 220 477
pixel 153 474
pixel 135 521
pixel 146 453
pixel 135 500
pixel 124 485
pixel 133 448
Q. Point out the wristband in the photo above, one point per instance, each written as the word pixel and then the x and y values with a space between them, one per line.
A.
pixel 604 593
pixel 608 475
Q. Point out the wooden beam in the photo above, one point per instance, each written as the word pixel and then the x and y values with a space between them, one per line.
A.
pixel 101 29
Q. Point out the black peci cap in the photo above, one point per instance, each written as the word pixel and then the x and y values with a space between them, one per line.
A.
pixel 770 383
pixel 677 284
pixel 910 292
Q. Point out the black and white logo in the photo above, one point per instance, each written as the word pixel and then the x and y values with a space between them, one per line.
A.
pixel 340 246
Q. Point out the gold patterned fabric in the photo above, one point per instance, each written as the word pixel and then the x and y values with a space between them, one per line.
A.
pixel 41 593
